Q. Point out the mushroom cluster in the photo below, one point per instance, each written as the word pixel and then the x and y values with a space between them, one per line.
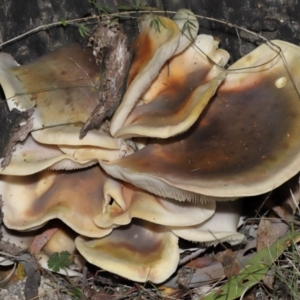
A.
pixel 188 139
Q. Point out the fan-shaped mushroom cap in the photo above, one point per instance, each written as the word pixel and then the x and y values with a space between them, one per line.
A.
pixel 244 143
pixel 69 135
pixel 142 205
pixel 62 85
pixel 180 92
pixel 160 38
pixel 30 157
pixel 140 251
pixel 75 197
pixel 222 226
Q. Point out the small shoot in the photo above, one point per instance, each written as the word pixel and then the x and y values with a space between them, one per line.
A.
pixel 59 261
pixel 156 23
pixel 84 30
pixel 136 6
pixel 187 28
pixel 63 22
pixel 102 9
pixel 77 294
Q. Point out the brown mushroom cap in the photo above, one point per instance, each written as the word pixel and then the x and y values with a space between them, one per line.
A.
pixel 244 143
pixel 75 197
pixel 180 92
pixel 140 251
pixel 62 85
pixel 131 202
pixel 160 38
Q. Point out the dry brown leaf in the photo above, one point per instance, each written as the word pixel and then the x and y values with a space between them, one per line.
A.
pixel 40 241
pixel 268 280
pixel 201 262
pixel 230 264
pixel 250 295
pixel 103 296
pixel 266 235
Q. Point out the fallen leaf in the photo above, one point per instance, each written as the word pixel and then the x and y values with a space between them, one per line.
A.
pixel 266 235
pixel 40 240
pixel 268 279
pixel 201 262
pixel 230 264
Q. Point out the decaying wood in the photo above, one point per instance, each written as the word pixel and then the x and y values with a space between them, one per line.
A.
pixel 111 49
pixel 15 125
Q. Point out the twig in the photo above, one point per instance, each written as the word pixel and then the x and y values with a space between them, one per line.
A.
pixel 191 256
pixel 47 26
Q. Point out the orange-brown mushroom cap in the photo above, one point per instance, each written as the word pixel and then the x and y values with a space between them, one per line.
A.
pixel 180 92
pixel 140 251
pixel 75 197
pixel 160 38
pixel 244 143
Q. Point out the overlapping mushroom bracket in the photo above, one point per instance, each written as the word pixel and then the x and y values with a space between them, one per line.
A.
pixel 187 136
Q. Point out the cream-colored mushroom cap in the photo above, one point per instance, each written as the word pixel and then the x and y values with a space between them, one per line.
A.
pixel 140 251
pixel 69 135
pixel 31 157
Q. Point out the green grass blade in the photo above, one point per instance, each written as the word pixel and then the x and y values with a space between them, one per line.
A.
pixel 255 269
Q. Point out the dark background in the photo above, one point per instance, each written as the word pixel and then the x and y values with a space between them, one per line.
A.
pixel 274 19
